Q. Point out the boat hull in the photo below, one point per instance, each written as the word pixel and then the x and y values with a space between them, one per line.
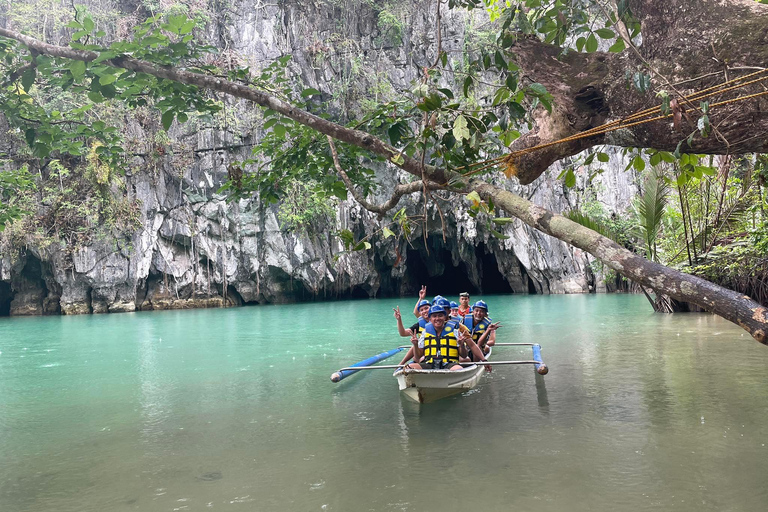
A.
pixel 426 386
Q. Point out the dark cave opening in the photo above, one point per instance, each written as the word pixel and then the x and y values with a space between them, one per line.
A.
pixel 6 296
pixel 451 281
pixel 493 281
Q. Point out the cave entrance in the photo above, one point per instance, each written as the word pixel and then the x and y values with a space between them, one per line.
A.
pixel 493 281
pixel 439 275
pixel 6 296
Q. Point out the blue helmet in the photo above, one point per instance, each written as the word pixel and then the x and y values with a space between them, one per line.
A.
pixel 436 309
pixel 454 305
pixel 423 303
pixel 443 303
pixel 437 299
pixel 481 304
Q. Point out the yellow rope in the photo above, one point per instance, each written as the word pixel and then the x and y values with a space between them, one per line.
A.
pixel 626 122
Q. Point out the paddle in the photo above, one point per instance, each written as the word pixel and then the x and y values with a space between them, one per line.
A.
pixel 365 364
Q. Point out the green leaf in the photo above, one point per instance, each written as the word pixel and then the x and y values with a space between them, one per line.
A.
pixel 503 220
pixel 602 157
pixel 516 110
pixel 29 136
pixel 77 68
pixel 591 43
pixel 467 84
pixel 309 92
pixel 387 232
pixel 618 46
pixel 347 238
pixel 88 24
pixel 279 130
pixel 499 235
pixel 667 157
pixel 107 79
pixel 638 163
pixel 397 131
pixel 570 179
pixel 605 33
pixel 167 119
pixel 28 78
pixel 474 197
pixel 498 59
pixel 95 97
pixel 580 42
pixel 460 129
pixel 538 89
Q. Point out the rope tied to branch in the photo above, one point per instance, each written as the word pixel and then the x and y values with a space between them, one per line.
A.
pixel 657 113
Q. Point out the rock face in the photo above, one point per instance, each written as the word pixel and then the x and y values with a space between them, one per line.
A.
pixel 195 249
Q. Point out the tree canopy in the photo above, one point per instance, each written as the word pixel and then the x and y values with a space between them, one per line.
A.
pixel 660 78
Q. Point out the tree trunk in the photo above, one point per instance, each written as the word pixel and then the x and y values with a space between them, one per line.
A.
pixel 731 305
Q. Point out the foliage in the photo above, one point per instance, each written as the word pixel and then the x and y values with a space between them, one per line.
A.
pixel 650 206
pixel 14 184
pixel 302 209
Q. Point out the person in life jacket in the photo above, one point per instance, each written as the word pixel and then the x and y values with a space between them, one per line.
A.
pixel 481 327
pixel 423 308
pixel 464 304
pixel 438 346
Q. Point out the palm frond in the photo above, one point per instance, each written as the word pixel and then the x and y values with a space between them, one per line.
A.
pixel 650 207
pixel 592 223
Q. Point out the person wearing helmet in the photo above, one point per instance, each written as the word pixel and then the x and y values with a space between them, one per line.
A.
pixel 455 311
pixel 481 327
pixel 422 297
pixel 423 308
pixel 439 345
pixel 464 304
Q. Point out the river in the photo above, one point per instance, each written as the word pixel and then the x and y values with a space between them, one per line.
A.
pixel 233 409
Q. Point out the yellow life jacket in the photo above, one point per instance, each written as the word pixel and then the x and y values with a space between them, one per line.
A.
pixel 444 347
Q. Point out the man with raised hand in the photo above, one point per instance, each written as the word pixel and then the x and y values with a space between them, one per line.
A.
pixel 438 346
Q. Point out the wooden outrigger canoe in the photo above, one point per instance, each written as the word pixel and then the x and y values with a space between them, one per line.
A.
pixel 426 386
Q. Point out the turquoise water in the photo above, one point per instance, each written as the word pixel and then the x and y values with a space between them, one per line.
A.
pixel 234 410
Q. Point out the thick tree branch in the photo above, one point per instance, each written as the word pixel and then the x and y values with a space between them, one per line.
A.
pixel 400 189
pixel 733 306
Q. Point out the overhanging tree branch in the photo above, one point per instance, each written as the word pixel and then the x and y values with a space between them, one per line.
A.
pixel 400 190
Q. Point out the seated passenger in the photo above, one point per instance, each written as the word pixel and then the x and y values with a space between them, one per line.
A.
pixel 455 311
pixel 464 304
pixel 417 328
pixel 439 345
pixel 423 309
pixel 480 326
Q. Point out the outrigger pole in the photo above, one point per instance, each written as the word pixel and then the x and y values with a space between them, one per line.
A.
pixel 541 368
pixel 365 364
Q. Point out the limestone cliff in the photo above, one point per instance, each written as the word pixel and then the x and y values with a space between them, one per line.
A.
pixel 192 248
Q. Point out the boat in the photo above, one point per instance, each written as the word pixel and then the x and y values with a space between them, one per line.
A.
pixel 426 386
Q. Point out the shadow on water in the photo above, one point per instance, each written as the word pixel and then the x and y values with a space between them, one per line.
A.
pixel 541 392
